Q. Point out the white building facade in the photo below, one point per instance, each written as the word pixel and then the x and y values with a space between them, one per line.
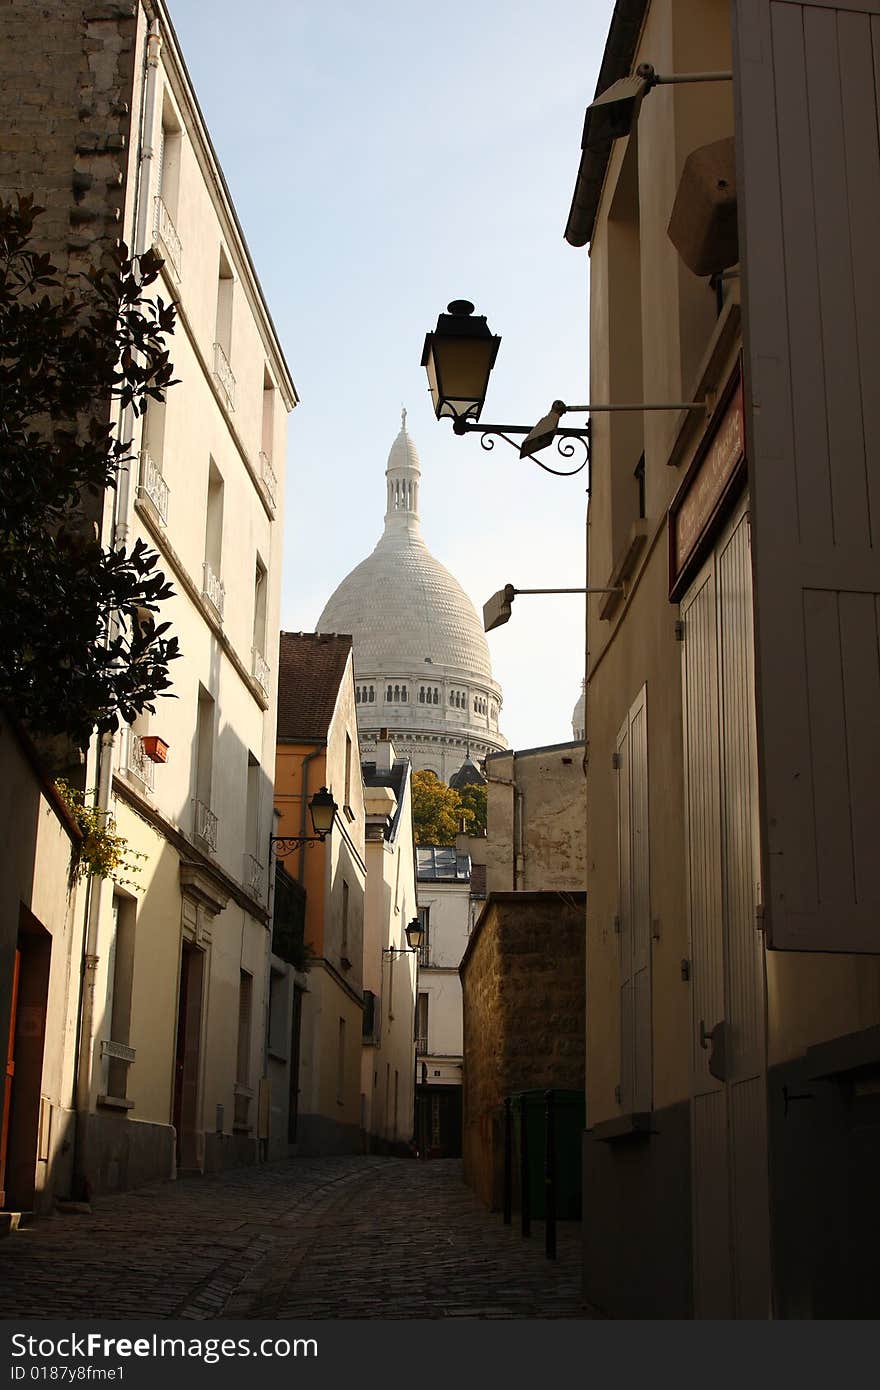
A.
pixel 173 1050
pixel 444 884
pixel 422 668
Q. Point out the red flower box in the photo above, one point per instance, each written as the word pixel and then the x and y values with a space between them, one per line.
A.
pixel 155 748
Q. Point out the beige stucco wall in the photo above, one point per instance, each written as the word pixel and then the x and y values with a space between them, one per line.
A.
pixel 810 998
pixel 389 906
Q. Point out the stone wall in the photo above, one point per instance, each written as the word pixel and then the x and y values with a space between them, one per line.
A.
pixel 537 821
pixel 66 97
pixel 524 999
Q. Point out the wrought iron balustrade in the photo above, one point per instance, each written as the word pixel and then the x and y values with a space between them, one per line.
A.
pixel 421 1046
pixel 224 375
pixel 213 589
pixel 153 486
pixel 165 233
pixel 268 479
pixel 137 762
pixel 261 669
pixel 206 825
pixel 254 877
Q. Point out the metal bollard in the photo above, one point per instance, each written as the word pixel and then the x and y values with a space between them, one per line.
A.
pixel 550 1180
pixel 525 1196
pixel 508 1160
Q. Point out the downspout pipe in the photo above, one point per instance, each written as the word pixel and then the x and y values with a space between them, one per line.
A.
pixel 141 234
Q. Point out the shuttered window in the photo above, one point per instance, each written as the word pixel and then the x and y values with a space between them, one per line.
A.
pixel 634 909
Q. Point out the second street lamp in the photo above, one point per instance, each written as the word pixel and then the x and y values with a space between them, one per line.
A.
pixel 322 809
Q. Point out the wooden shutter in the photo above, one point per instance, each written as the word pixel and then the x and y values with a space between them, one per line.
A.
pixel 808 175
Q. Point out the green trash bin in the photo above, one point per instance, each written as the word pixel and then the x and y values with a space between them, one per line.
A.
pixel 569 1118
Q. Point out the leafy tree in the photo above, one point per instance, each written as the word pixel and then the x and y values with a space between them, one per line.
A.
pixel 437 810
pixel 474 798
pixel 80 646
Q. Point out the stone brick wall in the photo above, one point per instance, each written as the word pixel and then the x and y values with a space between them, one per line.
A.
pixel 524 1000
pixel 66 100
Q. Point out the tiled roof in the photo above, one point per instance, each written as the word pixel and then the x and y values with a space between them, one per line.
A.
pixel 310 670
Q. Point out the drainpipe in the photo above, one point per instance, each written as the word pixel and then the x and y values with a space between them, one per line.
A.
pixel 303 825
pixel 105 758
pixel 143 183
pixel 519 856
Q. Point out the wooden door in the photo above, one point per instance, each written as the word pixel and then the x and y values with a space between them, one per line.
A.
pixel 729 1127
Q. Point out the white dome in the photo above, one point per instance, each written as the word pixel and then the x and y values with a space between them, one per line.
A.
pixel 421 661
pixel 403 609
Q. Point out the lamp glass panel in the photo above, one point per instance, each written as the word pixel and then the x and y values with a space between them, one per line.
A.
pixel 414 934
pixel 460 368
pixel 323 809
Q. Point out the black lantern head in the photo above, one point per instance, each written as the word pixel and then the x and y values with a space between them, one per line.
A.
pixel 323 809
pixel 413 933
pixel 459 356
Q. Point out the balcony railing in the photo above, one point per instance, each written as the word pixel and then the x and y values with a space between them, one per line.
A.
pixel 165 233
pixel 262 671
pixel 213 589
pixel 424 955
pixel 154 487
pixel 223 374
pixel 254 877
pixel 421 1046
pixel 206 825
pixel 136 761
pixel 268 479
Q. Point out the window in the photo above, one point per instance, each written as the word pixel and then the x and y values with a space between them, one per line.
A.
pixel 425 948
pixel 639 475
pixel 267 440
pixel 396 1102
pixel 260 586
pixel 345 896
pixel 205 821
pixel 120 978
pixel 245 1004
pixel 223 330
pixel 422 1024
pixel 279 1000
pixel 213 586
pixel 347 771
pixel 340 1063
pixel 168 191
pixel 634 910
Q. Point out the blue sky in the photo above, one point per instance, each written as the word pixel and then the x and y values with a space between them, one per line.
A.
pixel 384 159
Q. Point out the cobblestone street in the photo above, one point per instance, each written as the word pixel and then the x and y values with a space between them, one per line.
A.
pixel 349 1237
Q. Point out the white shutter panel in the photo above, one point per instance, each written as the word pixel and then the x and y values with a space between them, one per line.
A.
pixel 808 175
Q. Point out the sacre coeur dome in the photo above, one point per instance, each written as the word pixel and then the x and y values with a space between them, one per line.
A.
pixel 418 642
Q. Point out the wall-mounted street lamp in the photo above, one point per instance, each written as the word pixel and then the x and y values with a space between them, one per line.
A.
pixel 459 356
pixel 613 114
pixel 497 609
pixel 323 810
pixel 414 932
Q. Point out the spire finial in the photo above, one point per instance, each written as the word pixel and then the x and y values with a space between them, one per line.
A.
pixel 403 417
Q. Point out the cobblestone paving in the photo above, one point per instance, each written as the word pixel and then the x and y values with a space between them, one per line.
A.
pixel 351 1237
